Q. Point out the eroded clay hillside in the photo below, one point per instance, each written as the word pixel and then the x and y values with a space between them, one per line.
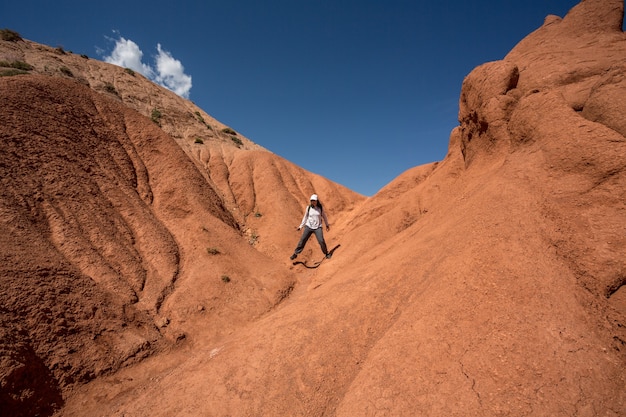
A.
pixel 490 283
pixel 106 217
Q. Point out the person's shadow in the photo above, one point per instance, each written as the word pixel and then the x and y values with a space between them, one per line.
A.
pixel 316 264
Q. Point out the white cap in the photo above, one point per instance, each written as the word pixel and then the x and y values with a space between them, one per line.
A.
pixel 313 197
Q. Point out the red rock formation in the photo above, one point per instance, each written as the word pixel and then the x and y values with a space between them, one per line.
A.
pixel 489 283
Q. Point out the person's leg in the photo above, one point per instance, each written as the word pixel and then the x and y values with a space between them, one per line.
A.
pixel 306 234
pixel 319 234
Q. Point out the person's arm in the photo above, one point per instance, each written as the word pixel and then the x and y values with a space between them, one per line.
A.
pixel 325 219
pixel 306 214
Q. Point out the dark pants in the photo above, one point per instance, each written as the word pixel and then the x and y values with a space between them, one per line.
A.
pixel 306 234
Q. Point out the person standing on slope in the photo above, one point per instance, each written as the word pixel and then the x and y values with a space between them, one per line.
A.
pixel 313 220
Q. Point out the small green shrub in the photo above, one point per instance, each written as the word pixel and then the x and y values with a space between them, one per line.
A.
pixel 201 120
pixel 59 50
pixel 22 66
pixel 17 65
pixel 9 35
pixel 84 56
pixel 199 141
pixel 229 131
pixel 156 116
pixel 237 141
pixel 257 214
pixel 11 72
pixel 129 71
pixel 110 88
pixel 66 71
pixel 225 278
pixel 213 251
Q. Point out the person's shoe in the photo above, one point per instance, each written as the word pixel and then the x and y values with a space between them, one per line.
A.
pixel 294 256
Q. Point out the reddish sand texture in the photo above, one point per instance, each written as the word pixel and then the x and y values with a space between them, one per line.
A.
pixel 145 250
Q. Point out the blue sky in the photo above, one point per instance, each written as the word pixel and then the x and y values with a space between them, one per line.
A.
pixel 357 91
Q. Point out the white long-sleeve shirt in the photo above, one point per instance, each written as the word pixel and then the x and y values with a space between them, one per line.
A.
pixel 314 218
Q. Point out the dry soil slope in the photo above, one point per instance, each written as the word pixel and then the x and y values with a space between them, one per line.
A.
pixel 524 311
pixel 114 238
pixel 491 283
pixel 104 218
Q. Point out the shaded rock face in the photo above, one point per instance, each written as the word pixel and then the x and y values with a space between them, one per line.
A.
pixel 145 274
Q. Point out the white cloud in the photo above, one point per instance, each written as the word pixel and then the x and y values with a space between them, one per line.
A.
pixel 128 55
pixel 169 72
